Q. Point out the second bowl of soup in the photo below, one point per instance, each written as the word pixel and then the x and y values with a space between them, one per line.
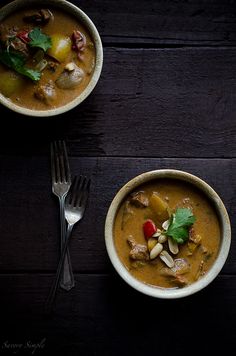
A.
pixel 50 56
pixel 167 233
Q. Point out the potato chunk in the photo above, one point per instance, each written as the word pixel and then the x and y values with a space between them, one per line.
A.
pixel 61 47
pixel 10 83
pixel 159 207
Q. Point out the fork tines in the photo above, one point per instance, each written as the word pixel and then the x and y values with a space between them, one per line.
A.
pixel 59 162
pixel 79 191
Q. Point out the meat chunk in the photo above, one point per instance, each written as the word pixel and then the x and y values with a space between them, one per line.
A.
pixel 181 266
pixel 38 17
pixel 7 33
pixel 9 39
pixel 179 280
pixel 78 40
pixel 19 46
pixel 194 241
pixel 138 252
pixel 175 274
pixel 46 93
pixel 139 199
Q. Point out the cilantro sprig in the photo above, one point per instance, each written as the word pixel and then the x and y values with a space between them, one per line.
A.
pixel 16 62
pixel 39 39
pixel 180 222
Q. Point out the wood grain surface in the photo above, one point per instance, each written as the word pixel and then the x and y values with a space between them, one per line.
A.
pixel 165 99
pixel 163 103
pixel 29 203
pixel 103 316
pixel 162 23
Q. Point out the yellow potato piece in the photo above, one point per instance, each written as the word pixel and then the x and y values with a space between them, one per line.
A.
pixel 61 47
pixel 10 83
pixel 151 243
pixel 159 207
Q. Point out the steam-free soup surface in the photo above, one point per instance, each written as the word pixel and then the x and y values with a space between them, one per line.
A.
pixel 129 224
pixel 62 24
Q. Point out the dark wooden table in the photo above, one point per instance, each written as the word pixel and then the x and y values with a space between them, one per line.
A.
pixel 166 99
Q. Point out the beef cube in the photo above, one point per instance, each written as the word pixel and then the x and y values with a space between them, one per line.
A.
pixel 39 17
pixel 138 251
pixel 139 199
pixel 46 93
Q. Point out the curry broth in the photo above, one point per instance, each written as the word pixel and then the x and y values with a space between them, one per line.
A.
pixel 64 24
pixel 177 194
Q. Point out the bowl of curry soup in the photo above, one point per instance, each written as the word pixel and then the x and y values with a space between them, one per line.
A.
pixel 167 233
pixel 51 56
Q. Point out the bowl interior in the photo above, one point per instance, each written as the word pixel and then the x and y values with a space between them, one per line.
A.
pixel 88 24
pixel 223 220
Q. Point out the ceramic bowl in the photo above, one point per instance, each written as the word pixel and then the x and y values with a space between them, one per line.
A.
pixel 88 24
pixel 168 293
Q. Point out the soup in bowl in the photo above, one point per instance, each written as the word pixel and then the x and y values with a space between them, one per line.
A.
pixel 167 233
pixel 50 56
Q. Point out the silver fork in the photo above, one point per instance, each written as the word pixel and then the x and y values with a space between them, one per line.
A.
pixel 74 210
pixel 61 182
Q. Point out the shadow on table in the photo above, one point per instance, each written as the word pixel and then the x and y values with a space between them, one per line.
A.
pixel 25 135
pixel 104 316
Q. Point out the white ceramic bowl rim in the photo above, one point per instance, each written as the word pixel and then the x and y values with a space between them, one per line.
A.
pixel 167 293
pixel 87 22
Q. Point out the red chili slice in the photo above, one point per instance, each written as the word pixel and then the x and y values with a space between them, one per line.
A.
pixel 24 36
pixel 149 228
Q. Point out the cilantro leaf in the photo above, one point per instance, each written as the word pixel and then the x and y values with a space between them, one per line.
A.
pixel 30 73
pixel 180 223
pixel 11 59
pixel 17 62
pixel 39 39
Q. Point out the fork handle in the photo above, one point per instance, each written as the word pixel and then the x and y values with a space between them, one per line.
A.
pixel 67 278
pixel 53 290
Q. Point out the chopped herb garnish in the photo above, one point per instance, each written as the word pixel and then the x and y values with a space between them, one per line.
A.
pixel 17 62
pixel 180 222
pixel 39 39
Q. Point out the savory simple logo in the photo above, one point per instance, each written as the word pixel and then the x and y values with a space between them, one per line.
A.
pixel 17 348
